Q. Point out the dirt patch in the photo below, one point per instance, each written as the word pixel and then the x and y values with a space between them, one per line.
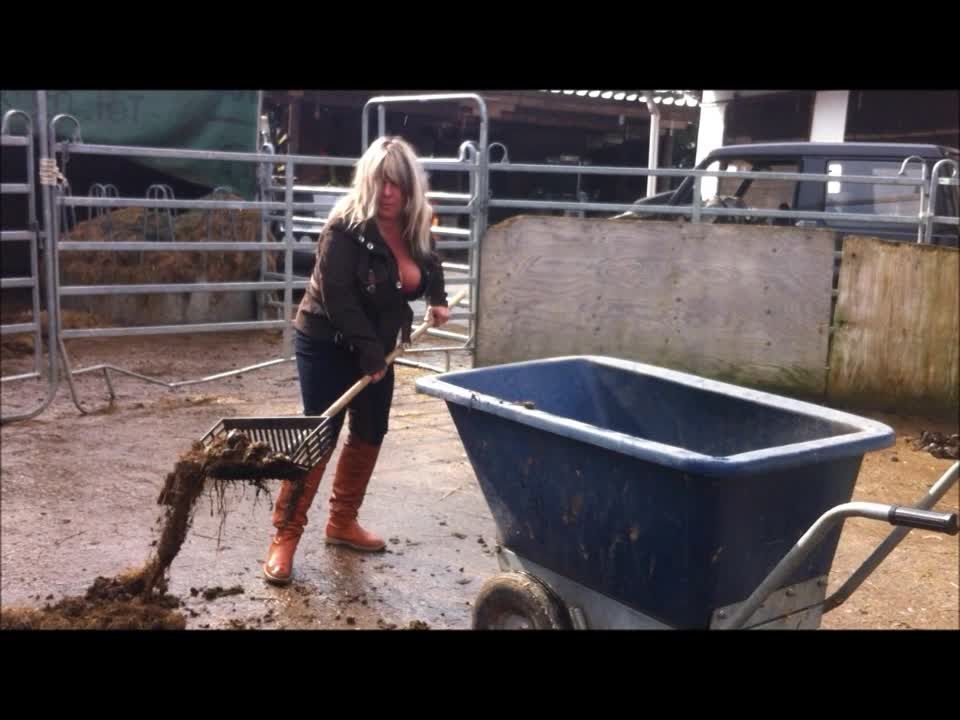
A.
pixel 918 585
pixel 109 604
pixel 413 625
pixel 52 471
pixel 138 599
pixel 219 592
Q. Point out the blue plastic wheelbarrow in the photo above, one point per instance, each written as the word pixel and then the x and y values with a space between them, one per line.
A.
pixel 631 496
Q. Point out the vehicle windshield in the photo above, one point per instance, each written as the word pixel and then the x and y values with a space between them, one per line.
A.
pixel 761 194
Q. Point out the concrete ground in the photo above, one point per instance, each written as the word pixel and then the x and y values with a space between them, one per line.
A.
pixel 79 493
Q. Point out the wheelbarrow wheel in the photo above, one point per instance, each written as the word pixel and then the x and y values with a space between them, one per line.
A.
pixel 518 601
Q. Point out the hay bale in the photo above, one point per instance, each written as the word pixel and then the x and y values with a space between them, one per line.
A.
pixel 122 268
pixel 170 267
pixel 14 346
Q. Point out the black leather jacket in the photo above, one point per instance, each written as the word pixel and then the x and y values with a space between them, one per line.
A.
pixel 354 295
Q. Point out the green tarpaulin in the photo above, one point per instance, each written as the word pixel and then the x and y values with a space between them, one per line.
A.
pixel 191 119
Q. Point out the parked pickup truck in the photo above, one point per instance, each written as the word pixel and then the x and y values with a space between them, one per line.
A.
pixel 852 158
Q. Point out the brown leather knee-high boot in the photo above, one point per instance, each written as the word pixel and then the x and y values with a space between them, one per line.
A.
pixel 289 520
pixel 357 460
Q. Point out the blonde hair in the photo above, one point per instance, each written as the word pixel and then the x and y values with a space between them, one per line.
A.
pixel 393 159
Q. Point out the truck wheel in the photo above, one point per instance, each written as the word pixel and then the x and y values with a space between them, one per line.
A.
pixel 518 601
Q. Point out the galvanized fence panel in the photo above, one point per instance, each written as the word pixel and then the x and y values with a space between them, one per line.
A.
pixel 275 203
pixel 473 157
pixel 32 236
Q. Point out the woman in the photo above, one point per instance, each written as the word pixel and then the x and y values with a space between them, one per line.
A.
pixel 374 256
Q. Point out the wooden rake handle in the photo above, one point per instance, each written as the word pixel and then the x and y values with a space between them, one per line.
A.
pixel 366 379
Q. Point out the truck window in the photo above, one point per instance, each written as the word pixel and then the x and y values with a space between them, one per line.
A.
pixel 761 194
pixel 844 197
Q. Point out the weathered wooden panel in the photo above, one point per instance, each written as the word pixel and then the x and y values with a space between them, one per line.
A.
pixel 745 304
pixel 898 327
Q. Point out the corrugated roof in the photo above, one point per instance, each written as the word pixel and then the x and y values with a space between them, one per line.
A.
pixel 677 98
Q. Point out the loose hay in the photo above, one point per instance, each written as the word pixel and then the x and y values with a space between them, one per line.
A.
pixel 13 346
pixel 158 266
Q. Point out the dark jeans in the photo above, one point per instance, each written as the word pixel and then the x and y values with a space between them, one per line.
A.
pixel 326 372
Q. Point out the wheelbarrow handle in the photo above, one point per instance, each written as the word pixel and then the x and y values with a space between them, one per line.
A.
pixel 931 498
pixel 366 379
pixel 923 519
pixel 906 517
